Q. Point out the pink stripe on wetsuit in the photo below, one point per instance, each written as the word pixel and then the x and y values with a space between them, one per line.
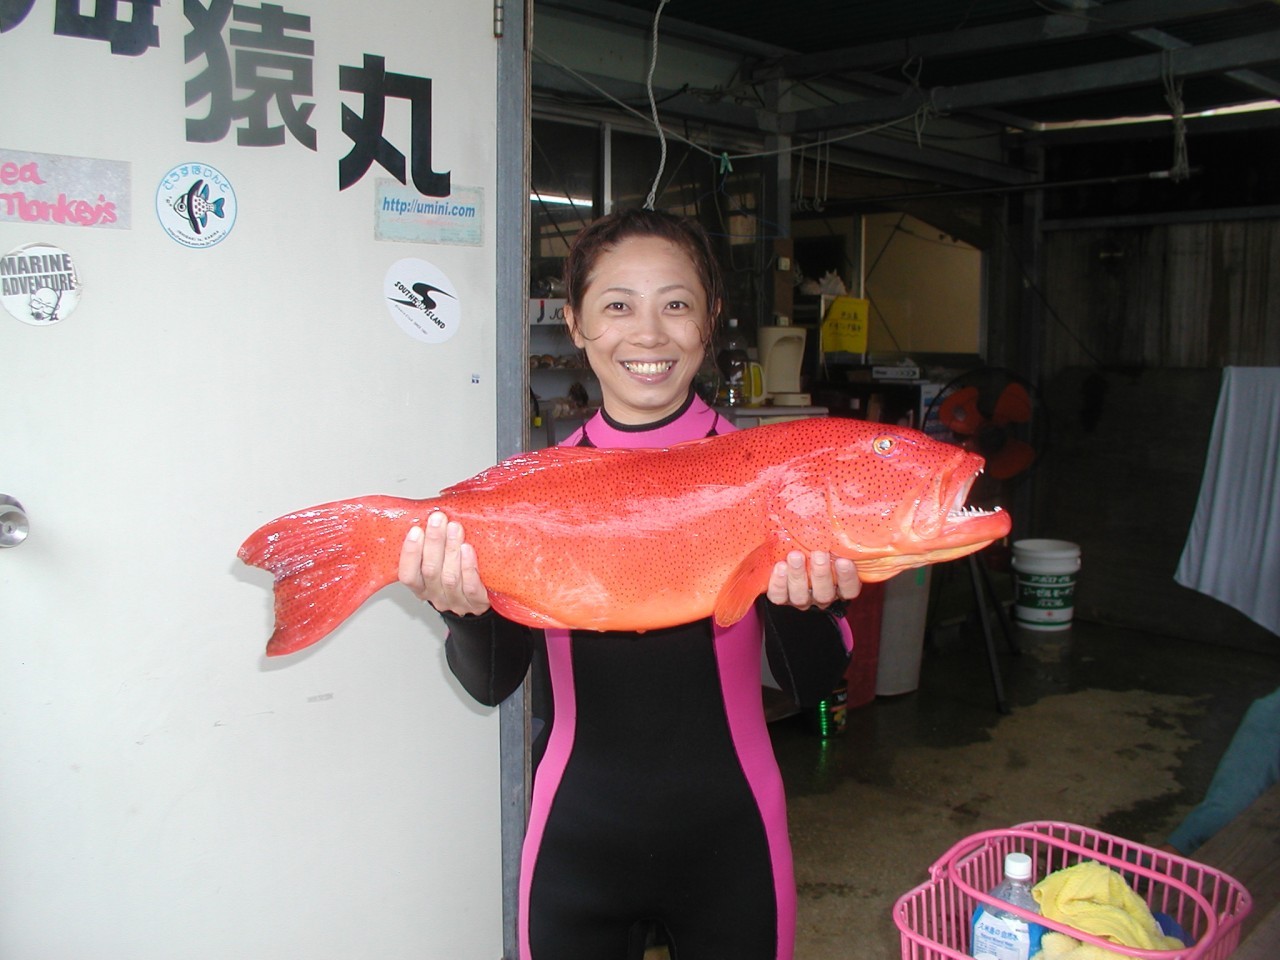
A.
pixel 658 797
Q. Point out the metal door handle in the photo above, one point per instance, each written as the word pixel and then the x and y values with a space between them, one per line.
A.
pixel 13 522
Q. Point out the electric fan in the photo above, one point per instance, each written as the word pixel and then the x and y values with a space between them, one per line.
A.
pixel 995 413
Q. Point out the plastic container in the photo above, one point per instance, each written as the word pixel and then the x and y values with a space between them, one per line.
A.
pixel 734 364
pixel 1000 934
pixel 934 918
pixel 1045 588
pixel 906 608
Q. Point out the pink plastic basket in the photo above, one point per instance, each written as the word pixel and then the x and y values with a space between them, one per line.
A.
pixel 934 918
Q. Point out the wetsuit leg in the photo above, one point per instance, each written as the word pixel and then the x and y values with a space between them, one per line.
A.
pixel 646 804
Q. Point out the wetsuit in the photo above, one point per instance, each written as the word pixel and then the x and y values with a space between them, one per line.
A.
pixel 657 797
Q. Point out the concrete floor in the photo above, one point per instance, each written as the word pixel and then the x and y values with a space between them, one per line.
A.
pixel 1113 729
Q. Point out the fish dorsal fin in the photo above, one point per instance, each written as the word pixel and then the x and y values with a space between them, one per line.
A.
pixel 518 612
pixel 524 464
pixel 748 581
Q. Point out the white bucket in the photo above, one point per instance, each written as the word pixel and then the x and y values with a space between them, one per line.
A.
pixel 1044 597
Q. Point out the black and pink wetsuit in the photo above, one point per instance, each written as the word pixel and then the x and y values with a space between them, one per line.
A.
pixel 657 798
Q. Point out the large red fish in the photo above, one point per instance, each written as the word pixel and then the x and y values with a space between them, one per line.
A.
pixel 641 539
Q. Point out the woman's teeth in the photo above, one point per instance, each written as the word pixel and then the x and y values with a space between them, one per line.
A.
pixel 648 368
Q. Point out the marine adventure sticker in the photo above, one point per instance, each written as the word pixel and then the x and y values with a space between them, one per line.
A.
pixel 39 284
pixel 196 205
pixel 422 300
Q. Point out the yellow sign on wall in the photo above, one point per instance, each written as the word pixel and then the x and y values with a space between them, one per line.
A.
pixel 844 328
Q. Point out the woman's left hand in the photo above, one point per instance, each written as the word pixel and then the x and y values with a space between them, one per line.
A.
pixel 819 583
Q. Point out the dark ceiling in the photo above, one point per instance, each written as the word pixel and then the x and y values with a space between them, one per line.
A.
pixel 1017 62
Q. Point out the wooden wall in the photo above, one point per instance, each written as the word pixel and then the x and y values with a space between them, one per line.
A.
pixel 1174 295
pixel 1142 320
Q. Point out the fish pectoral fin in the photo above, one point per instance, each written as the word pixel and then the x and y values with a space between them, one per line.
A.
pixel 747 582
pixel 513 609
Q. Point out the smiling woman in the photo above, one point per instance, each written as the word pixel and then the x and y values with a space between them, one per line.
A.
pixel 642 307
pixel 606 852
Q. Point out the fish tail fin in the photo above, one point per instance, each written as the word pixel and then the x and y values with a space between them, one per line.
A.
pixel 327 561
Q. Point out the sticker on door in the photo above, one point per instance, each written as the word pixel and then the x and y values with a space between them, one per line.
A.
pixel 421 300
pixel 39 284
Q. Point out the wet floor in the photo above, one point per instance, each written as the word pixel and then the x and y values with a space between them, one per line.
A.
pixel 1113 729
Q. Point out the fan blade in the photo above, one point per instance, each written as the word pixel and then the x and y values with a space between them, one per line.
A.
pixel 959 412
pixel 1013 405
pixel 1011 459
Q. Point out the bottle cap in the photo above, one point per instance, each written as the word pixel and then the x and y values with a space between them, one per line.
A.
pixel 1017 866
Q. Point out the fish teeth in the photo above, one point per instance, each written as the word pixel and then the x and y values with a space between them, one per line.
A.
pixel 967 512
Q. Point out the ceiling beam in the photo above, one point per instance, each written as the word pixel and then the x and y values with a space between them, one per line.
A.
pixel 1092 78
pixel 555 78
pixel 943 166
pixel 1123 16
pixel 1264 86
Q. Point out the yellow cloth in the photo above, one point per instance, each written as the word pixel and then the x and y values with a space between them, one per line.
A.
pixel 1058 946
pixel 1095 899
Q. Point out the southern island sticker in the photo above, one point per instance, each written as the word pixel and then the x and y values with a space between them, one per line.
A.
pixel 421 300
pixel 39 284
pixel 196 205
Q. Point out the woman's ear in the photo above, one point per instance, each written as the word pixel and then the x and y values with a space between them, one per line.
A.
pixel 571 322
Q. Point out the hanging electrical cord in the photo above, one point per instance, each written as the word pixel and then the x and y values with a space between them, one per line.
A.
pixel 653 109
pixel 871 270
pixel 730 157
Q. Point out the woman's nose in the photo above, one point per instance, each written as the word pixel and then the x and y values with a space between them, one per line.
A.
pixel 648 327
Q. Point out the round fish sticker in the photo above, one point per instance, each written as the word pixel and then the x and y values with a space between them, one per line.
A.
pixel 422 300
pixel 196 205
pixel 39 284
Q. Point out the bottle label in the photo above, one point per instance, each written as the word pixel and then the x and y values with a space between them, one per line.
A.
pixel 1003 937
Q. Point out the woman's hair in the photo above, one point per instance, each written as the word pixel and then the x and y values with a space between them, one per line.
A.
pixel 604 234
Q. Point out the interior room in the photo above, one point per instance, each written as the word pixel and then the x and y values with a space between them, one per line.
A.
pixel 1047 195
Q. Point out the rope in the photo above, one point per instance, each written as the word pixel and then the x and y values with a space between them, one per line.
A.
pixel 1181 168
pixel 653 110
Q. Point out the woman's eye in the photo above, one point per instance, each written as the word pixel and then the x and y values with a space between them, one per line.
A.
pixel 677 305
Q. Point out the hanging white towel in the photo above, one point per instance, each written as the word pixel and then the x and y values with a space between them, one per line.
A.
pixel 1232 551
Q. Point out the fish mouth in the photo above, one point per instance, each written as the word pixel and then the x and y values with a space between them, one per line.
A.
pixel 648 368
pixel 943 515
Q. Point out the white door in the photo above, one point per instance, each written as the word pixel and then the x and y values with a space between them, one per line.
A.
pixel 165 790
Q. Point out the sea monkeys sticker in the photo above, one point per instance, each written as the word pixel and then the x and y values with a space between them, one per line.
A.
pixel 72 191
pixel 196 205
pixel 422 300
pixel 39 284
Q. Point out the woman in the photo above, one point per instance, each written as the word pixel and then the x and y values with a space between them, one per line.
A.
pixel 657 799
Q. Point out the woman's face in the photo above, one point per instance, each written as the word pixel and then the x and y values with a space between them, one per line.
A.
pixel 643 325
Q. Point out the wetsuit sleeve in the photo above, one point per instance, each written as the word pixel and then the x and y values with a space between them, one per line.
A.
pixel 489 654
pixel 806 649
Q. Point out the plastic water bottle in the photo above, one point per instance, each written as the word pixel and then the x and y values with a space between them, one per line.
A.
pixel 732 361
pixel 1002 935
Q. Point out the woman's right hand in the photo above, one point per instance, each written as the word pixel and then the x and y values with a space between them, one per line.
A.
pixel 439 566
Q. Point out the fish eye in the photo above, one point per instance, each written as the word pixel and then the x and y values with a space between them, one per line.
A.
pixel 884 445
